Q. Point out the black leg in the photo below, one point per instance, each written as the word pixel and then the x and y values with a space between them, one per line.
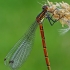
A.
pixel 51 20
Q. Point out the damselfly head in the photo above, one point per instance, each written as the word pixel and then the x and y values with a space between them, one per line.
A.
pixel 45 7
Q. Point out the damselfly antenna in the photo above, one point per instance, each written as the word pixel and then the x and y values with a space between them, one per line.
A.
pixel 53 12
pixel 40 3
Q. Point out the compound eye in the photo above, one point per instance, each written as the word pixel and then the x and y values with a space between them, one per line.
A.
pixel 45 7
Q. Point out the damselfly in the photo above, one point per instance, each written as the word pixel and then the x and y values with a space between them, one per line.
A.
pixel 22 48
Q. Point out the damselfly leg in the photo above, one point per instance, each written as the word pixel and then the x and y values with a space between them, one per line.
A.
pixel 50 18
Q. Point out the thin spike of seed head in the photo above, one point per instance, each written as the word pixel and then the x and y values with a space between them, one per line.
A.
pixel 63 31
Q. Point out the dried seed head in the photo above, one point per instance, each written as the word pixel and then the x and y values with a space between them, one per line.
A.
pixel 61 9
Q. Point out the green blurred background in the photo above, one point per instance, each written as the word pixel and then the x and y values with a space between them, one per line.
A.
pixel 15 18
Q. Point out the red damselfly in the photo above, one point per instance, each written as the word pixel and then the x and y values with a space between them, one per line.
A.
pixel 22 48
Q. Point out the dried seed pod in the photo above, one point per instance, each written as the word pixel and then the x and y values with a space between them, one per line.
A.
pixel 58 10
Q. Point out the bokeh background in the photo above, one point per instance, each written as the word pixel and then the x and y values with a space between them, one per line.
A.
pixel 15 18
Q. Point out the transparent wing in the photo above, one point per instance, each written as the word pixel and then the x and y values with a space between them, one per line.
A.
pixel 22 48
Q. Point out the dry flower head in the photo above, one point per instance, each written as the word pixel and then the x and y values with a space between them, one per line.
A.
pixel 58 10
